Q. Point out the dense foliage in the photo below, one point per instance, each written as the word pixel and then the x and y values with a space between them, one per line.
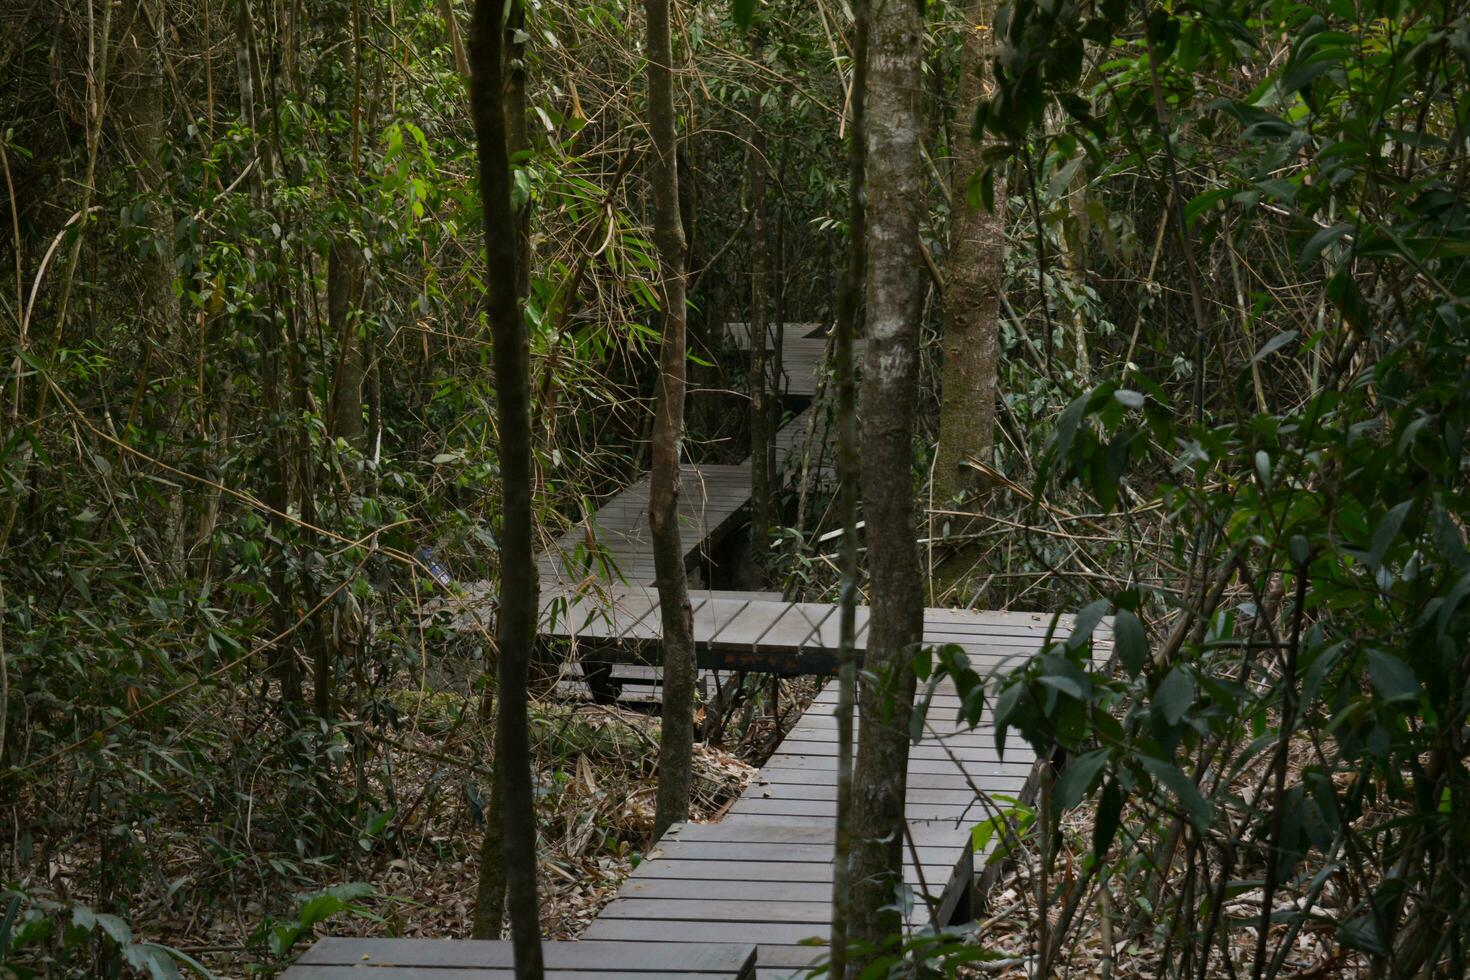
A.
pixel 247 434
pixel 1285 750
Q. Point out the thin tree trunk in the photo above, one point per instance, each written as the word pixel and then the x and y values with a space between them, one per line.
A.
pixel 972 289
pixel 760 411
pixel 676 745
pixel 451 28
pixel 516 618
pixel 490 889
pixel 277 456
pixel 889 397
pixel 518 139
pixel 344 286
pixel 847 492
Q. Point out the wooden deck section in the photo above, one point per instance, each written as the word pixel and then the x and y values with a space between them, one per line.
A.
pixel 763 874
pixel 445 959
pixel 762 632
pixel 615 544
pixel 803 346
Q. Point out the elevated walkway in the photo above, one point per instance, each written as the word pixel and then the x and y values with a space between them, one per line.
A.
pixel 762 875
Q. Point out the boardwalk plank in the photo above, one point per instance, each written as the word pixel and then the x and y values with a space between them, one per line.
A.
pixel 416 957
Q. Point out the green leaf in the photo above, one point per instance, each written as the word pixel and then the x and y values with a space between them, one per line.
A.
pixel 318 909
pixel 1318 243
pixel 1183 788
pixel 1274 344
pixel 154 959
pixel 1109 816
pixel 1175 695
pixel 1391 677
pixel 1386 531
pixel 742 12
pixel 1128 398
pixel 1077 779
pixel 1087 621
pixel 1130 642
pixel 1362 934
pixel 1204 202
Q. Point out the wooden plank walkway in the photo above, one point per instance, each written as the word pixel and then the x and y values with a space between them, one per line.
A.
pixel 760 631
pixel 803 346
pixel 764 872
pixel 615 544
pixel 469 959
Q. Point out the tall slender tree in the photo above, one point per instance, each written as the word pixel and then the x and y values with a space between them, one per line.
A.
pixel 972 285
pixel 760 388
pixel 516 617
pixel 889 396
pixel 848 302
pixel 676 744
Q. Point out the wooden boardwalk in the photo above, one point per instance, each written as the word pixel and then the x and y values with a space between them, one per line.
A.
pixel 760 631
pixel 439 959
pixel 763 873
pixel 803 354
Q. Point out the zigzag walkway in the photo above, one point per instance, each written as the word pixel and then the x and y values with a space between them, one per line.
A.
pixel 749 895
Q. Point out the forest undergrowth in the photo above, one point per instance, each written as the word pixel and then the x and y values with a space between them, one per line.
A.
pixel 237 890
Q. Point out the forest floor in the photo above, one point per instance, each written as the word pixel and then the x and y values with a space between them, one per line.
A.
pixel 596 787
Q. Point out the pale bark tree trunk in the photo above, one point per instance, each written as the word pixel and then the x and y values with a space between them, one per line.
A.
pixel 676 744
pixel 848 298
pixel 758 383
pixel 451 28
pixel 889 397
pixel 1079 229
pixel 972 288
pixel 516 616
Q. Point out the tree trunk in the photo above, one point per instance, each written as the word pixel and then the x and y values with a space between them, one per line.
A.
pixel 972 288
pixel 516 618
pixel 760 411
pixel 889 398
pixel 847 493
pixel 451 28
pixel 140 83
pixel 490 889
pixel 676 745
pixel 344 288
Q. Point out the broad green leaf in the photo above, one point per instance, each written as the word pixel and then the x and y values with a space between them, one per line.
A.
pixel 1175 694
pixel 1076 779
pixel 1391 677
pixel 1129 641
pixel 1109 815
pixel 1274 344
pixel 1183 788
pixel 319 908
pixel 1128 399
pixel 1318 243
pixel 1386 531
pixel 1087 620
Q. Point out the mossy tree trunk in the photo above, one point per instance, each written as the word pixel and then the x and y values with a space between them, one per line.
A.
pixel 676 744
